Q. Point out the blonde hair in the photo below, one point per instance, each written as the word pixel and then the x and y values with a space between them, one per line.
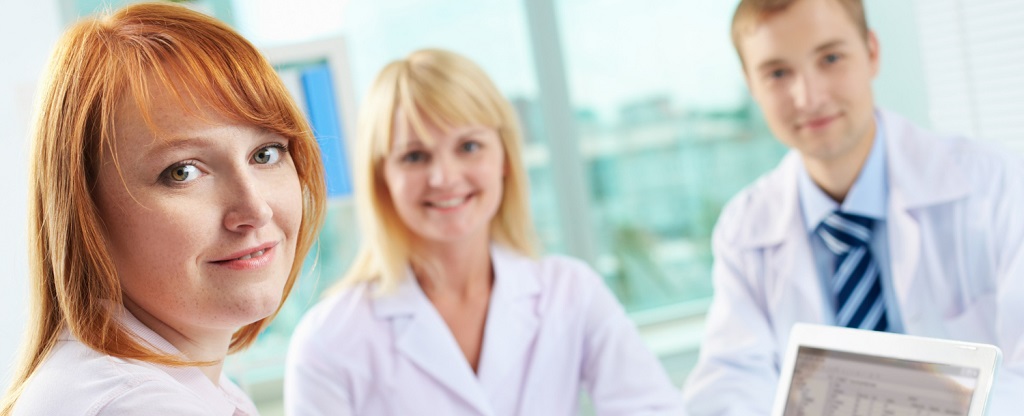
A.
pixel 98 63
pixel 446 90
pixel 750 13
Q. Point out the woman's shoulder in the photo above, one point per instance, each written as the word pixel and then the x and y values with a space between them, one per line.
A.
pixel 553 269
pixel 560 279
pixel 93 383
pixel 340 319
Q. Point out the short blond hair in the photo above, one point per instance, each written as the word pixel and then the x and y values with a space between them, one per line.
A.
pixel 98 64
pixel 750 13
pixel 442 89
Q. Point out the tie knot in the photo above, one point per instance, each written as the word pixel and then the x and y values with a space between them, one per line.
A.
pixel 842 232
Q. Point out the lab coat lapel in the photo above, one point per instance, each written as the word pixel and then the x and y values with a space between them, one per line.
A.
pixel 422 336
pixel 904 249
pixel 775 228
pixel 512 320
pixel 797 295
pixel 795 291
pixel 923 172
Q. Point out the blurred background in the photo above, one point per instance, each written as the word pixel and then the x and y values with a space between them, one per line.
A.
pixel 638 126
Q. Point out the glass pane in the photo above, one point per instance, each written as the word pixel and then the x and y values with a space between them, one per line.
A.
pixel 668 132
pixel 472 29
pixel 469 28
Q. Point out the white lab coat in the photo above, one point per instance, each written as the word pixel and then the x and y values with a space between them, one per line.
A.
pixel 956 238
pixel 553 329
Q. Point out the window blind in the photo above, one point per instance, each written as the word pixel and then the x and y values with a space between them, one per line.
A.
pixel 973 57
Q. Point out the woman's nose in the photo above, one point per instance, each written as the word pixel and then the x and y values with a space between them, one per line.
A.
pixel 247 207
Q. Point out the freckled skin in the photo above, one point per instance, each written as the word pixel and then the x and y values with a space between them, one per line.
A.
pixel 166 235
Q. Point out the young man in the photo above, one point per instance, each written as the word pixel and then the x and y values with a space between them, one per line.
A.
pixel 869 222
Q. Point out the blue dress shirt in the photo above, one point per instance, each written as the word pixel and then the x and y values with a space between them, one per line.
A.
pixel 869 197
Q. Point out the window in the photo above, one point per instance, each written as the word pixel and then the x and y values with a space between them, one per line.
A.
pixel 638 125
pixel 667 132
pixel 973 56
pixel 631 152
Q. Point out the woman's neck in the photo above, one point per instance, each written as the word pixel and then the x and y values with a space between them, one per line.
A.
pixel 196 345
pixel 454 270
pixel 457 279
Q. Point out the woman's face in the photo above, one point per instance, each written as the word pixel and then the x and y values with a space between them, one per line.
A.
pixel 447 191
pixel 202 218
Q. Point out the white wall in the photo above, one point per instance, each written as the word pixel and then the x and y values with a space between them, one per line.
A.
pixel 28 30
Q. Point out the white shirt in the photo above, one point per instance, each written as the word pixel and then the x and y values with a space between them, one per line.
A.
pixel 869 198
pixel 553 329
pixel 76 380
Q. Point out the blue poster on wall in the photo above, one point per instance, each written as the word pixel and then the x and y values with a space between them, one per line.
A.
pixel 323 117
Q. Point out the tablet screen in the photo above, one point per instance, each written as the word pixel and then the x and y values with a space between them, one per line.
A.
pixel 829 382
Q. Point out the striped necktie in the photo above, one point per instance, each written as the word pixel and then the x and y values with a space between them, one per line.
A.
pixel 856 282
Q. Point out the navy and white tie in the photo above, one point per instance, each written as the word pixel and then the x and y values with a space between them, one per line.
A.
pixel 856 282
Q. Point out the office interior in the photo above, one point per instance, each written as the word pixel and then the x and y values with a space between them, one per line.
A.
pixel 637 121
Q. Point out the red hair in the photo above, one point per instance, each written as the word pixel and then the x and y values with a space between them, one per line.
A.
pixel 98 63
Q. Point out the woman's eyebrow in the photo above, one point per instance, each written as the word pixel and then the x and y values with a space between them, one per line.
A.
pixel 176 143
pixel 203 137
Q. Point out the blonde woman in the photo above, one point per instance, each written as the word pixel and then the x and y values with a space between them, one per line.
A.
pixel 175 190
pixel 447 310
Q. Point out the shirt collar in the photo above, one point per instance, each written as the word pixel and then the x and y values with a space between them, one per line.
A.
pixel 867 197
pixel 223 399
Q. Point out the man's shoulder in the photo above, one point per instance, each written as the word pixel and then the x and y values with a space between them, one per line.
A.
pixel 763 202
pixel 976 160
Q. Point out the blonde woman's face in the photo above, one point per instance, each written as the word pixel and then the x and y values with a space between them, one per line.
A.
pixel 448 188
pixel 203 227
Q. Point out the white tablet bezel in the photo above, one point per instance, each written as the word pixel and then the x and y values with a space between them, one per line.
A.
pixel 984 357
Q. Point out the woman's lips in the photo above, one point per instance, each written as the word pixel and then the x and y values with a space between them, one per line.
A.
pixel 249 259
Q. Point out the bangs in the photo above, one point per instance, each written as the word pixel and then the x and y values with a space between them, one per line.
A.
pixel 426 96
pixel 202 64
pixel 240 86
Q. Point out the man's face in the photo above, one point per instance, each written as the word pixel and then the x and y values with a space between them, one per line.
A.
pixel 810 70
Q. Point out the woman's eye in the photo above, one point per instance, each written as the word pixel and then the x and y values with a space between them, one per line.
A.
pixel 268 155
pixel 831 58
pixel 414 157
pixel 182 173
pixel 470 146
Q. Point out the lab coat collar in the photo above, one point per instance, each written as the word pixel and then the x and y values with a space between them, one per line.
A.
pixel 224 399
pixel 424 338
pixel 777 206
pixel 513 319
pixel 920 174
pixel 513 279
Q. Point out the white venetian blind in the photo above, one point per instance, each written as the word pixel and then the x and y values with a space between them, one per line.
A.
pixel 973 57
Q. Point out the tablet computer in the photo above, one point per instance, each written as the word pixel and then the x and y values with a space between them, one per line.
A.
pixel 830 370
